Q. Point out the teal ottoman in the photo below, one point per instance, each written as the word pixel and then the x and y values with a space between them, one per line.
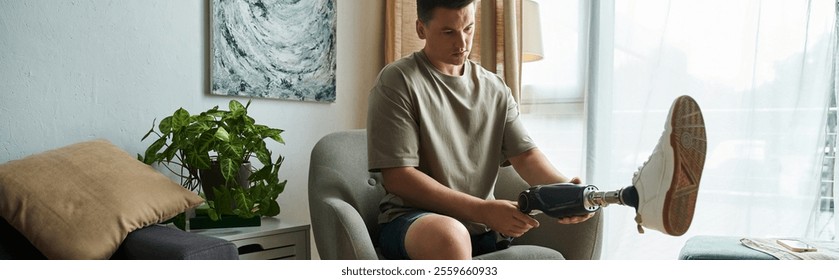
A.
pixel 703 247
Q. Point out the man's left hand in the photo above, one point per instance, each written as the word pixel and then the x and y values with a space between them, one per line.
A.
pixel 575 219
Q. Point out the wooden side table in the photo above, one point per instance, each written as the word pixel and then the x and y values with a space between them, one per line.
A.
pixel 275 239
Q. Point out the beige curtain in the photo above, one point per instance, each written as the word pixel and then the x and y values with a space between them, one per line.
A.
pixel 500 53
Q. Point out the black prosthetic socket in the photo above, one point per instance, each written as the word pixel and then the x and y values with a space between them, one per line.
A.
pixel 629 196
pixel 566 200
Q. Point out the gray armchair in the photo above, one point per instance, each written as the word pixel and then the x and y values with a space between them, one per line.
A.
pixel 344 199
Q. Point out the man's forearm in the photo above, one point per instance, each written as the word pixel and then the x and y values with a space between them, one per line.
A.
pixel 421 191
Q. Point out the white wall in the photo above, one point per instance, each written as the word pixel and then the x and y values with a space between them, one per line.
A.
pixel 77 70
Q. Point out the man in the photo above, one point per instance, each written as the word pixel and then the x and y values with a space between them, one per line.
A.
pixel 439 127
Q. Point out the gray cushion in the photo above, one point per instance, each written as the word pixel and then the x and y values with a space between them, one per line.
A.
pixel 705 247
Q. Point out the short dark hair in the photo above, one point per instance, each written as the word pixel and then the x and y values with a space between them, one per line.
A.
pixel 425 8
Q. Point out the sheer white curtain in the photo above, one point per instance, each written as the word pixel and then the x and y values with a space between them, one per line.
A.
pixel 834 218
pixel 762 72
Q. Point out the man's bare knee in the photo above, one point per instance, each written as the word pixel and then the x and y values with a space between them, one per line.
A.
pixel 436 236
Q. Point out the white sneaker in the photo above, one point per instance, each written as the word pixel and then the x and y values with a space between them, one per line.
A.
pixel 668 183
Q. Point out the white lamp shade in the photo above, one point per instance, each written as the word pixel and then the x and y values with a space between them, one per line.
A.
pixel 531 32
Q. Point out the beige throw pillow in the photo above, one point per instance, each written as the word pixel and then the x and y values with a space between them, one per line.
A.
pixel 80 201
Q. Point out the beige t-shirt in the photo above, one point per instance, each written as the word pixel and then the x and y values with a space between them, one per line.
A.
pixel 457 130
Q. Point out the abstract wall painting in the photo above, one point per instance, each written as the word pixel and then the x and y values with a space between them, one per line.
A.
pixel 274 49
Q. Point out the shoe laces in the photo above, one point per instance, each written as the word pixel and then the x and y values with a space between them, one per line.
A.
pixel 635 177
pixel 641 167
pixel 638 223
pixel 638 171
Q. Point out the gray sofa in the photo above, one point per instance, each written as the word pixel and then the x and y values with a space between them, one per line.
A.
pixel 344 197
pixel 150 243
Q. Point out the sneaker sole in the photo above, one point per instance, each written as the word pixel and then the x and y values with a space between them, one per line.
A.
pixel 688 140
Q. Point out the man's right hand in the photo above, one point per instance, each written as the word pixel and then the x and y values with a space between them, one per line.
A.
pixel 504 217
pixel 423 192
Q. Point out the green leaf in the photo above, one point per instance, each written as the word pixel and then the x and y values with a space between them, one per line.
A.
pixel 281 187
pixel 212 110
pixel 275 134
pixel 197 160
pixel 170 152
pixel 221 134
pixel 259 129
pixel 236 107
pixel 165 125
pixel 180 119
pixel 196 128
pixel 203 161
pixel 279 162
pixel 223 202
pixel 260 174
pixel 228 169
pixel 212 211
pixel 232 150
pixel 241 199
pixel 262 154
pixel 154 148
pixel 273 209
pixel 205 142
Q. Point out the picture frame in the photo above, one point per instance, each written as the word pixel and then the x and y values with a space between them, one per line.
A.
pixel 273 49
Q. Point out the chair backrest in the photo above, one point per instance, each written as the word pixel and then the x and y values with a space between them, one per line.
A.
pixel 339 181
pixel 344 198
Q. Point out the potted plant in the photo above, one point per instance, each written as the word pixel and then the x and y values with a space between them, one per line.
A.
pixel 221 144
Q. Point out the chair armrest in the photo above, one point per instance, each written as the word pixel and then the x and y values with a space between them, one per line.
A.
pixel 346 232
pixel 165 243
pixel 581 241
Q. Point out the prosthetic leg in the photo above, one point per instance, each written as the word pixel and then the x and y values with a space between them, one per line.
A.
pixel 663 191
pixel 565 200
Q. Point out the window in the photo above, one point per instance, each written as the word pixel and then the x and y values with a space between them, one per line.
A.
pixel 553 89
